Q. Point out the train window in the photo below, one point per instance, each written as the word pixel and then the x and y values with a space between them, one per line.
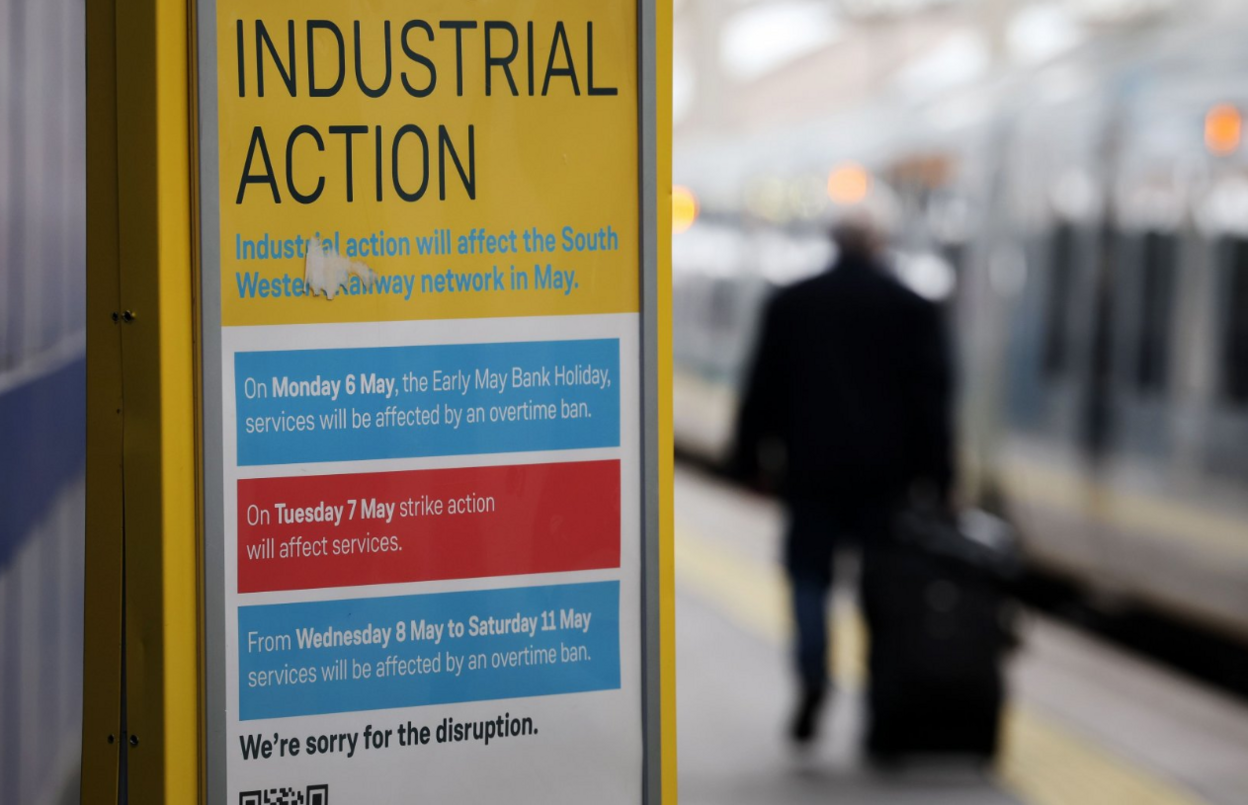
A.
pixel 1061 280
pixel 1235 333
pixel 1158 264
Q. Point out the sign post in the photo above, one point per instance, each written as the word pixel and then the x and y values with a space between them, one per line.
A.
pixel 432 461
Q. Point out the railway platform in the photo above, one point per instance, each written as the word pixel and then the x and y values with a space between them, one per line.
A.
pixel 1086 723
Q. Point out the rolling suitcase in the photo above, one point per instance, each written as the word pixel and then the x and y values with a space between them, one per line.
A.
pixel 940 620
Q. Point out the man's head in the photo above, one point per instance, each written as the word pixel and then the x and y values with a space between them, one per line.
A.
pixel 858 237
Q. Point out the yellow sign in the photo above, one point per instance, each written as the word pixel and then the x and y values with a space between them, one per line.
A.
pixel 447 160
pixel 498 170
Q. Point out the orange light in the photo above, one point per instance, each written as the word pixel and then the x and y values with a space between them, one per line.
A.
pixel 684 209
pixel 1224 130
pixel 849 183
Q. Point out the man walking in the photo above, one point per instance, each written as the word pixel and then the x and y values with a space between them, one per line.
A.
pixel 851 382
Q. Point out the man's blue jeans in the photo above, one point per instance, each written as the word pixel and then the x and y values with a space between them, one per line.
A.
pixel 816 531
pixel 810 616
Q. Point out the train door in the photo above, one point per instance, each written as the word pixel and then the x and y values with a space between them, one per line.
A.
pixel 1125 405
pixel 1056 205
pixel 1144 302
pixel 1130 403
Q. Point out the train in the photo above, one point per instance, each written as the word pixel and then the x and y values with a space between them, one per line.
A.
pixel 42 398
pixel 1083 222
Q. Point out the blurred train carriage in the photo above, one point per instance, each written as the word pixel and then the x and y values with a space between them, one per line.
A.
pixel 42 398
pixel 1086 225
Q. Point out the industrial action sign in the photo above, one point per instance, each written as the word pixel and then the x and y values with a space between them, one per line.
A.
pixel 423 401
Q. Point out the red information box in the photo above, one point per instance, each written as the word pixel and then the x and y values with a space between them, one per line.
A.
pixel 319 531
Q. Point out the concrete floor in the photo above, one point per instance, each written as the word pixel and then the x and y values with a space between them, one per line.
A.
pixel 734 695
pixel 1088 724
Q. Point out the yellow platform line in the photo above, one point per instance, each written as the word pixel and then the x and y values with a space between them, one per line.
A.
pixel 1041 762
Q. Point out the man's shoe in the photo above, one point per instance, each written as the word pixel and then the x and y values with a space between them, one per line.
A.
pixel 806 719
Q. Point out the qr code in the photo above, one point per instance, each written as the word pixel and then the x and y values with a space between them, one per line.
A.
pixel 312 795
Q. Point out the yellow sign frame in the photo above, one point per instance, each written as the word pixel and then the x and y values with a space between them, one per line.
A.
pixel 143 722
